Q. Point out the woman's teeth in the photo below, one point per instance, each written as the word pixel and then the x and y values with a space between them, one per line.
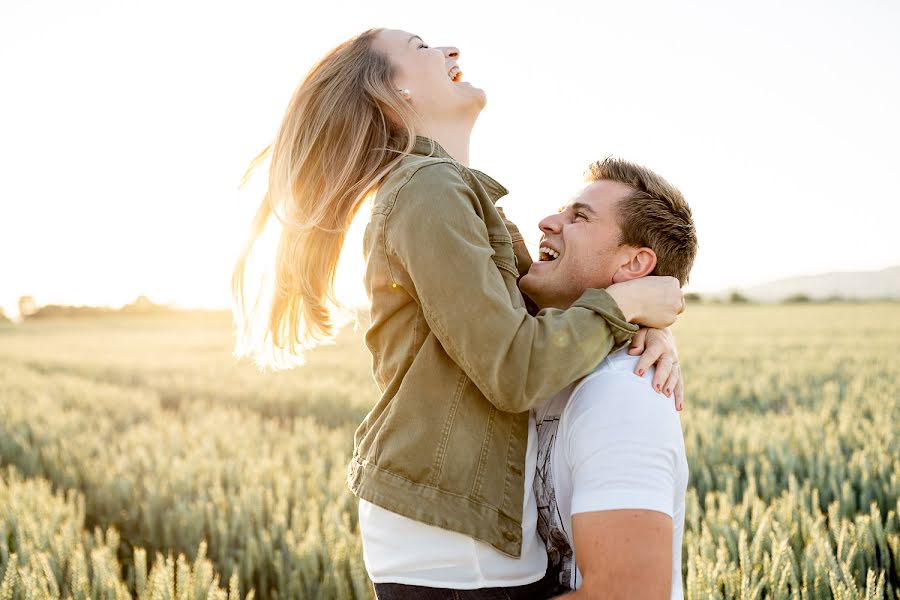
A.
pixel 455 74
pixel 550 252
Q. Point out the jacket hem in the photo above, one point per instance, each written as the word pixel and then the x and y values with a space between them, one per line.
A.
pixel 435 506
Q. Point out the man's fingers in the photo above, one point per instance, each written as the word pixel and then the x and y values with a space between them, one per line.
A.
pixel 663 369
pixel 637 342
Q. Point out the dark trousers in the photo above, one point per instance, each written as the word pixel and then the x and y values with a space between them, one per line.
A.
pixel 548 587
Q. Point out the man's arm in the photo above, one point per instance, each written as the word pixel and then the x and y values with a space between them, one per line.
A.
pixel 623 554
pixel 622 441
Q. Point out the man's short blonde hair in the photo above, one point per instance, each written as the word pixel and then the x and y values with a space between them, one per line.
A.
pixel 654 215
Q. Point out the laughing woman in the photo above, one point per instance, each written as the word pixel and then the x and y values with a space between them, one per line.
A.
pixel 443 461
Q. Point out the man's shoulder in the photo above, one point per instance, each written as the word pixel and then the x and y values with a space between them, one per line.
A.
pixel 617 369
pixel 619 361
pixel 614 393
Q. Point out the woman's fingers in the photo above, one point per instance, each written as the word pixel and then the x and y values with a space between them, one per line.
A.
pixel 663 370
pixel 637 342
pixel 672 380
pixel 679 393
pixel 651 354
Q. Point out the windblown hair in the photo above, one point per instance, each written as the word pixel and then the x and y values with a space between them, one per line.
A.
pixel 345 128
pixel 654 215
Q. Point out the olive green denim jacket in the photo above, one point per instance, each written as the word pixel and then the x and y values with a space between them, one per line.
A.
pixel 456 355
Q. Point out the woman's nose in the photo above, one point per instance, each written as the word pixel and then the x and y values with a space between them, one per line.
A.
pixel 451 52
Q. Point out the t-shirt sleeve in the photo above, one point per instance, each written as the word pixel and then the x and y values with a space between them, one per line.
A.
pixel 622 444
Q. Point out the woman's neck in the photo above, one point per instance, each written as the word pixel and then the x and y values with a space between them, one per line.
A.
pixel 453 137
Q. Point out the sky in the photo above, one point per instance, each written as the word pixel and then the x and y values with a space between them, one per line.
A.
pixel 125 128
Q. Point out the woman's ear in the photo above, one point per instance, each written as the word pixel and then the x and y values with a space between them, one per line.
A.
pixel 640 262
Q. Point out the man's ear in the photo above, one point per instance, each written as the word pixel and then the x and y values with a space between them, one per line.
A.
pixel 639 262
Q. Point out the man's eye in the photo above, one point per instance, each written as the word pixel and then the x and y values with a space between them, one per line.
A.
pixel 579 215
pixel 422 46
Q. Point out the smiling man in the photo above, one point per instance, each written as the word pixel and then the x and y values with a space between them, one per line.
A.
pixel 611 470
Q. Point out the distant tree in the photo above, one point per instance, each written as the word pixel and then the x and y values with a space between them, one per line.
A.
pixel 27 306
pixel 798 299
pixel 736 297
pixel 56 311
pixel 143 304
pixel 693 298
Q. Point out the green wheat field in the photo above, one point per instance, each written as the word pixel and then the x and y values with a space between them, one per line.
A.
pixel 138 459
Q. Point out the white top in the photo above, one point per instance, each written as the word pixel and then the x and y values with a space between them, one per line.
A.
pixel 610 442
pixel 397 549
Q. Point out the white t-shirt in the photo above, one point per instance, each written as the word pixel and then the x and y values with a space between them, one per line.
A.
pixel 397 549
pixel 608 442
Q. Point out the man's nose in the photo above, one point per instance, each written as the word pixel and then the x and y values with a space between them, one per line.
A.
pixel 551 224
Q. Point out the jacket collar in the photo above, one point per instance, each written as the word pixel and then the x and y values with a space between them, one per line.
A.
pixel 428 147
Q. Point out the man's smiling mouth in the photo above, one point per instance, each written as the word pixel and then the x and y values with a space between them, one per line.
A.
pixel 546 254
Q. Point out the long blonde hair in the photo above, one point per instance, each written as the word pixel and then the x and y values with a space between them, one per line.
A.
pixel 344 129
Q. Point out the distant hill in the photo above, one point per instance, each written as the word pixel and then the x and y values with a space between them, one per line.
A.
pixel 857 285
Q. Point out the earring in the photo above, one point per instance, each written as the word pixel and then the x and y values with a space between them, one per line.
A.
pixel 405 93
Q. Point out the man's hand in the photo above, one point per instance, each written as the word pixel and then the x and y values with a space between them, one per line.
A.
pixel 652 301
pixel 657 346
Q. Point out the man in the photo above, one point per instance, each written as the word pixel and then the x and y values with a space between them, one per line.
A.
pixel 611 470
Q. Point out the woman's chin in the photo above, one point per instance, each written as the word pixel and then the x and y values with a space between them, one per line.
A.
pixel 482 96
pixel 470 92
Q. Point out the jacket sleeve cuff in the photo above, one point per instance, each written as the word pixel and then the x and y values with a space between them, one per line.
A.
pixel 603 304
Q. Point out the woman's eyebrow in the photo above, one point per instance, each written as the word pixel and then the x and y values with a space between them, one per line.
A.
pixel 412 37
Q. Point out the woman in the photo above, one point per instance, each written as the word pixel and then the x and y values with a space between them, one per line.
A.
pixel 442 462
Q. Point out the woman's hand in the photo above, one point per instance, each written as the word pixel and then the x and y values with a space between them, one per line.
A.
pixel 652 301
pixel 657 346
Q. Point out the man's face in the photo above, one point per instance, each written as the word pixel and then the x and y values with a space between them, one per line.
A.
pixel 585 236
